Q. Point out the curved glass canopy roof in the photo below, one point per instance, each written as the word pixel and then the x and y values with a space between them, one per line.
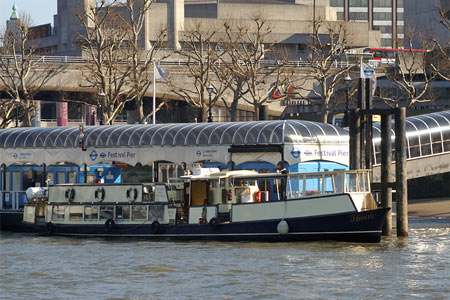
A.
pixel 425 135
pixel 191 134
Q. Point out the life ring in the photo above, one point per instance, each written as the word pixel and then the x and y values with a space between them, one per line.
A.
pixel 156 227
pixel 99 194
pixel 132 198
pixel 109 225
pixel 70 194
pixel 49 227
pixel 213 223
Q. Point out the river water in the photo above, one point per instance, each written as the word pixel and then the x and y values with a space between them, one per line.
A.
pixel 41 267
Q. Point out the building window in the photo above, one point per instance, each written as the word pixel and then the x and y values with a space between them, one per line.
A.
pixel 358 16
pixel 337 3
pixel 382 16
pixel 359 3
pixel 382 3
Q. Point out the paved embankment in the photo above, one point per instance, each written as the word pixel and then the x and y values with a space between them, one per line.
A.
pixel 431 208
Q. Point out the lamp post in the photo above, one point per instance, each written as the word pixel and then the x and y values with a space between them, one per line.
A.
pixel 210 89
pixel 102 96
pixel 16 103
pixel 345 120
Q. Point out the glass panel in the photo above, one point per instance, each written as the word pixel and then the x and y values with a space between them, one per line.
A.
pixel 425 144
pixel 351 183
pixel 123 212
pixel 58 213
pixel 414 147
pixel 313 185
pixel 156 213
pixel 16 187
pixel 60 177
pixel 91 213
pixel 139 212
pixel 106 212
pixel 75 212
pixel 339 183
pixel 50 178
pixel 8 181
pixel 295 186
pixel 72 177
pixel 328 184
pixel 361 182
pixel 437 144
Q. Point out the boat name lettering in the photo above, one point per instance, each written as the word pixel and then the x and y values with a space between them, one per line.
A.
pixel 362 218
pixel 121 154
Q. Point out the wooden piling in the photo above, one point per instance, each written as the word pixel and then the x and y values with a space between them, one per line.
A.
pixel 400 172
pixel 355 135
pixel 368 130
pixel 386 161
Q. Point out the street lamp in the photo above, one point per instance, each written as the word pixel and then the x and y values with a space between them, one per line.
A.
pixel 102 96
pixel 16 103
pixel 345 121
pixel 210 89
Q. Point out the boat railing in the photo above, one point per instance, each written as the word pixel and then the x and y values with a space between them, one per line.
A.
pixel 12 199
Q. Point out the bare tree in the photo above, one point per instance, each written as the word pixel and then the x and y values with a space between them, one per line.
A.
pixel 200 51
pixel 104 40
pixel 22 73
pixel 411 75
pixel 440 62
pixel 327 44
pixel 247 48
pixel 141 60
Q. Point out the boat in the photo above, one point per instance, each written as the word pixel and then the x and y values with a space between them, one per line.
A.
pixel 238 205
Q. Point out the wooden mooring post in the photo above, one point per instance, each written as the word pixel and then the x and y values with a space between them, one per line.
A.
pixel 400 172
pixel 386 161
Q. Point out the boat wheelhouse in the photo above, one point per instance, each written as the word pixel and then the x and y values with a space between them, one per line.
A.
pixel 231 205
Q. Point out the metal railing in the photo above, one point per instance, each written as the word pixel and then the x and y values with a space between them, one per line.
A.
pixel 181 62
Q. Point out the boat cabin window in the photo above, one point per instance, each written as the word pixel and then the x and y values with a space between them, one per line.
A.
pixel 139 212
pixel 156 212
pixel 75 212
pixel 313 185
pixel 58 213
pixel 91 213
pixel 339 183
pixel 215 183
pixel 243 182
pixel 106 212
pixel 351 183
pixel 363 182
pixel 123 212
pixel 295 186
pixel 328 184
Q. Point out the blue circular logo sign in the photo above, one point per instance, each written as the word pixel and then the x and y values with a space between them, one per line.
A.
pixel 368 71
pixel 199 153
pixel 15 155
pixel 93 155
pixel 295 152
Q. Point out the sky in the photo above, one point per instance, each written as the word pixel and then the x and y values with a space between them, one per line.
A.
pixel 41 11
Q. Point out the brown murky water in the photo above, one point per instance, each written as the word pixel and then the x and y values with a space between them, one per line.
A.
pixel 40 267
